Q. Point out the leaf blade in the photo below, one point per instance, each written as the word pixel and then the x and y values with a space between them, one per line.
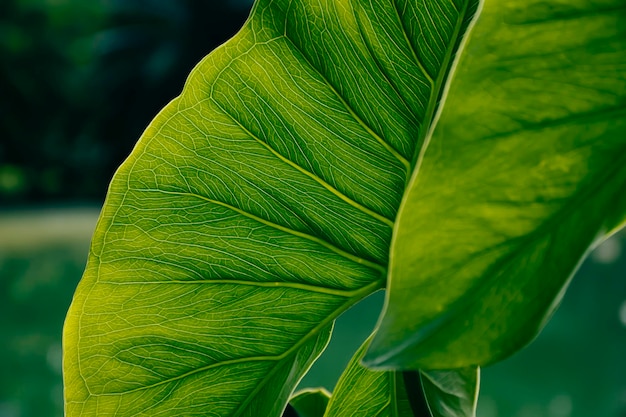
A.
pixel 364 392
pixel 255 208
pixel 480 283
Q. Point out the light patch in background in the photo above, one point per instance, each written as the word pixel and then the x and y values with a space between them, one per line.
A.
pixel 27 230
pixel 560 406
pixel 531 410
pixel 487 407
pixel 56 395
pixel 622 314
pixel 54 357
pixel 608 252
pixel 9 409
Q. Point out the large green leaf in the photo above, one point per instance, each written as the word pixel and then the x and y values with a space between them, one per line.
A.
pixel 525 170
pixel 256 208
pixel 366 393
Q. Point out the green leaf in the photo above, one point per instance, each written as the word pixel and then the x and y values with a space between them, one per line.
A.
pixel 451 393
pixel 525 170
pixel 310 402
pixel 367 393
pixel 256 208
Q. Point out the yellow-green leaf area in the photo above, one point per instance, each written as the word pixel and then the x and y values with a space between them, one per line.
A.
pixel 525 171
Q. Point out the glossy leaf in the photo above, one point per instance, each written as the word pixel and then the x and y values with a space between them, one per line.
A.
pixel 310 402
pixel 525 170
pixel 256 208
pixel 368 393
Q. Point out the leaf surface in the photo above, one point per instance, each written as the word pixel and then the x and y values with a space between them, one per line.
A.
pixel 369 393
pixel 256 208
pixel 525 170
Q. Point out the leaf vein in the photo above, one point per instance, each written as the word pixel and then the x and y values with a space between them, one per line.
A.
pixel 316 178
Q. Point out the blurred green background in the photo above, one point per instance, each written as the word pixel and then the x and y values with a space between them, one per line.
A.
pixel 79 81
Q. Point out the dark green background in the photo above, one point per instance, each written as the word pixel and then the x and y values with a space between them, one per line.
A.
pixel 79 81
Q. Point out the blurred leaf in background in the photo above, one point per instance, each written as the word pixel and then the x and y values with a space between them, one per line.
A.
pixel 42 256
pixel 79 81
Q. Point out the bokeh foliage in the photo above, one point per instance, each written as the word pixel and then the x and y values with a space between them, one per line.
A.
pixel 79 80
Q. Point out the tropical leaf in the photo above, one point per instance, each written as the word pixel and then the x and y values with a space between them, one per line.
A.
pixel 525 170
pixel 256 208
pixel 368 393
